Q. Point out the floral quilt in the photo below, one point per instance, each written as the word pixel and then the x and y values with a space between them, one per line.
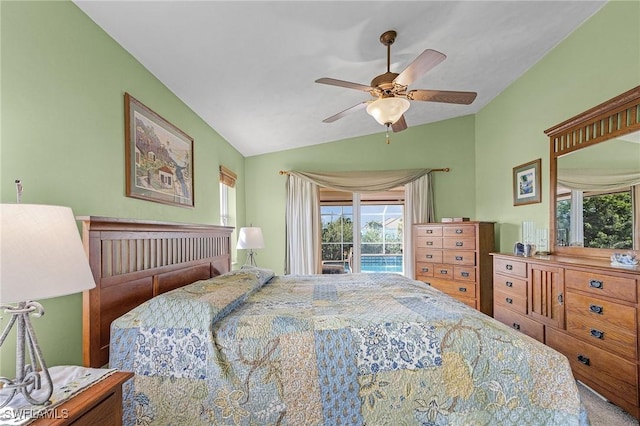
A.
pixel 251 348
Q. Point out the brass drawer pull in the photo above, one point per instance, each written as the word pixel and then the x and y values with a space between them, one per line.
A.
pixel 459 231
pixel 508 284
pixel 596 309
pixel 595 284
pixel 444 271
pixel 597 334
pixel 516 326
pixel 459 243
pixel 462 289
pixel 509 267
pixel 464 274
pixel 509 300
pixel 458 257
pixel 584 359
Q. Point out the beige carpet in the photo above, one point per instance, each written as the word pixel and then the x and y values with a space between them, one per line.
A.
pixel 603 413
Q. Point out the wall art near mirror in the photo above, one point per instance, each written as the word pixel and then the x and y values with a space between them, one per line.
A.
pixel 526 183
pixel 159 157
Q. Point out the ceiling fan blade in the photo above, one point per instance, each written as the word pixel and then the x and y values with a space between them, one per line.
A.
pixel 420 65
pixel 342 83
pixel 399 125
pixel 445 96
pixel 345 112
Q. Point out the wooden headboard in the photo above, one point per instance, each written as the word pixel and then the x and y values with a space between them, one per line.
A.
pixel 133 261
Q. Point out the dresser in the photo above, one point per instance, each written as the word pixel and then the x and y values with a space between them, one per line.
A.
pixel 455 258
pixel 582 307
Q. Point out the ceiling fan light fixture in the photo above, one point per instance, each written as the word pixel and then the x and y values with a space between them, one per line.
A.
pixel 387 111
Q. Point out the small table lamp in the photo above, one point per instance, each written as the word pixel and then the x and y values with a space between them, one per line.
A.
pixel 250 238
pixel 42 256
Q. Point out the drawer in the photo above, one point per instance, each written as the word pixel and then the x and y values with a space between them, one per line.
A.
pixel 510 267
pixel 459 243
pixel 510 285
pixel 444 271
pixel 424 254
pixel 509 301
pixel 607 325
pixel 428 231
pixel 464 273
pixel 428 242
pixel 459 231
pixel 457 257
pixel 615 377
pixel 601 284
pixel 520 322
pixel 424 269
pixel 454 288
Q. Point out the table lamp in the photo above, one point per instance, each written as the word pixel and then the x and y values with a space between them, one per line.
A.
pixel 41 256
pixel 250 238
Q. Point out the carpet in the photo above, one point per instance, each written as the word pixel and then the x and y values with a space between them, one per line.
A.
pixel 602 412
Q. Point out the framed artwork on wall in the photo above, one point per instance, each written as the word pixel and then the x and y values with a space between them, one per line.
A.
pixel 158 157
pixel 526 183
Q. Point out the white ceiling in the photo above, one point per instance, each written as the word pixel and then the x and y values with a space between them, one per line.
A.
pixel 248 68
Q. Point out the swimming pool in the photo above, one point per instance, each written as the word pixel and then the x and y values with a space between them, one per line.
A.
pixel 381 263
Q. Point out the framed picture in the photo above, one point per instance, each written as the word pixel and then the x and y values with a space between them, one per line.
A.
pixel 526 183
pixel 158 156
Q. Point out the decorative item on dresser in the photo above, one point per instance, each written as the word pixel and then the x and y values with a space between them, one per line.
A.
pixel 454 258
pixel 582 307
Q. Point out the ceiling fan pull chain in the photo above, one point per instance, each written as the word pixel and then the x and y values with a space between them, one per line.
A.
pixel 387 133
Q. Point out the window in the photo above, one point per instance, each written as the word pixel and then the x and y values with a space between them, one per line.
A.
pixel 227 196
pixel 362 232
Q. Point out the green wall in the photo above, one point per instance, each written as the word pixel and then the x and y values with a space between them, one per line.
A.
pixel 598 61
pixel 448 143
pixel 63 82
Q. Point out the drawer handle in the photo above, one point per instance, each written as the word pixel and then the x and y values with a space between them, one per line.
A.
pixel 464 274
pixel 516 326
pixel 458 257
pixel 462 289
pixel 459 243
pixel 596 309
pixel 595 284
pixel 509 300
pixel 584 359
pixel 597 334
pixel 425 269
pixel 560 298
pixel 509 267
pixel 429 256
pixel 429 231
pixel 509 284
pixel 444 271
pixel 458 231
pixel 429 243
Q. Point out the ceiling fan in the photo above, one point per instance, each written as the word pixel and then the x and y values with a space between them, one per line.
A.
pixel 390 90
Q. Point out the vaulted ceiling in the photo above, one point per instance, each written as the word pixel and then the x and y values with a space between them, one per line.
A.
pixel 249 68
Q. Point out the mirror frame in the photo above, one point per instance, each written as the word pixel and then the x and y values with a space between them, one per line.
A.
pixel 616 117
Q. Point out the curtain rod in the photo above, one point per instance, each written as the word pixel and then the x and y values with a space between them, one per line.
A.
pixel 444 169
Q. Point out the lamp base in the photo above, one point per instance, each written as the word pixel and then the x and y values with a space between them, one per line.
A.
pixel 251 259
pixel 29 377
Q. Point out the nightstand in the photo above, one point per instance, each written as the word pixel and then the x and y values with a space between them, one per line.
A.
pixel 98 405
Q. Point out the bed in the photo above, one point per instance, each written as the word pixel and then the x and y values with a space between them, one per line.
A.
pixel 248 347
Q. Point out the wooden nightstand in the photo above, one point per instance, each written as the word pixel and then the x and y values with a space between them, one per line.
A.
pixel 98 405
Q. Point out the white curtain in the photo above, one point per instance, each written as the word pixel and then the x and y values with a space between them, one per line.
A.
pixel 418 208
pixel 303 221
pixel 576 233
pixel 302 227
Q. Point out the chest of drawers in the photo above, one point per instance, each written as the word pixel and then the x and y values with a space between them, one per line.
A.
pixel 454 258
pixel 582 307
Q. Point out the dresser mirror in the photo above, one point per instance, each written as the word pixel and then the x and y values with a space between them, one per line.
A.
pixel 595 179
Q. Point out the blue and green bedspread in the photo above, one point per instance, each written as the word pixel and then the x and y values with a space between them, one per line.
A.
pixel 248 348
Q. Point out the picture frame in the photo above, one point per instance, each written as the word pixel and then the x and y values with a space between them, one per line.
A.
pixel 527 183
pixel 158 157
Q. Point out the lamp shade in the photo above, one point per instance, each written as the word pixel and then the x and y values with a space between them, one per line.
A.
pixel 41 253
pixel 388 110
pixel 250 238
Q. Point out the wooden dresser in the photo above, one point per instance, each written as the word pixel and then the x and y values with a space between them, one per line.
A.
pixel 455 258
pixel 582 307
